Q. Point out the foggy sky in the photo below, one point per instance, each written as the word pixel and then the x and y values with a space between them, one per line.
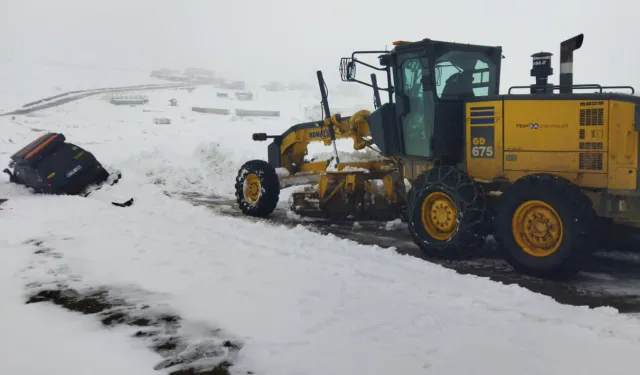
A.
pixel 260 40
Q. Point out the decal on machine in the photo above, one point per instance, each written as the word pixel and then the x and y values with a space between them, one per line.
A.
pixel 535 125
pixel 482 141
pixel 324 133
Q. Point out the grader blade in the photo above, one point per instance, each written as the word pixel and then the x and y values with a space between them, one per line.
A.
pixel 349 195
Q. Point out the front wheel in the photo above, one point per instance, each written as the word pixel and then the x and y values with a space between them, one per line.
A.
pixel 447 213
pixel 257 188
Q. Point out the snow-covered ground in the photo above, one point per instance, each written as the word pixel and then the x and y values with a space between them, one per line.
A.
pixel 297 302
pixel 42 338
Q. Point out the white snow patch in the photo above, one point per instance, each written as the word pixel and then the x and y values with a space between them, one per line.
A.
pixel 396 224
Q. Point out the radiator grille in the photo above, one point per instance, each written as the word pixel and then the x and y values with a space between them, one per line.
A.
pixel 591 161
pixel 591 145
pixel 592 117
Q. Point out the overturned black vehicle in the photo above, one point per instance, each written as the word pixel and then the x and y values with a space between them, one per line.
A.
pixel 50 165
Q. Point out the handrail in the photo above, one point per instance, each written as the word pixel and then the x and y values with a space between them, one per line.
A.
pixel 590 86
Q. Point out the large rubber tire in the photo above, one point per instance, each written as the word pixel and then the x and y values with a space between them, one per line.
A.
pixel 445 190
pixel 566 204
pixel 257 188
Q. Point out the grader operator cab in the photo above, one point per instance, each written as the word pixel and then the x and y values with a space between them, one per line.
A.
pixel 544 171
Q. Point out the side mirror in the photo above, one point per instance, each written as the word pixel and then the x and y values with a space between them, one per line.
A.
pixel 385 60
pixel 347 69
pixel 351 71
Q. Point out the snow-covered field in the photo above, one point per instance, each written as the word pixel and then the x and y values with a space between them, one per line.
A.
pixel 296 302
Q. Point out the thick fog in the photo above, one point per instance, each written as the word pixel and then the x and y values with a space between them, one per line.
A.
pixel 262 40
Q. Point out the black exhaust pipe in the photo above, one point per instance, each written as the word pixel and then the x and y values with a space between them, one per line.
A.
pixel 566 62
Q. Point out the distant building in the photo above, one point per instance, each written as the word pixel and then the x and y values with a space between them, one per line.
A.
pixel 129 99
pixel 274 86
pixel 231 85
pixel 198 72
pixel 162 73
pixel 244 95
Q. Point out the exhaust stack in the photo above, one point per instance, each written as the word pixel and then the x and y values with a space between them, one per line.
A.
pixel 566 62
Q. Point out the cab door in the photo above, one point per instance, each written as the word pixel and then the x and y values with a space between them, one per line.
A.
pixel 415 103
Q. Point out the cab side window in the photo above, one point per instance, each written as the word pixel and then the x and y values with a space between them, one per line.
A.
pixel 461 75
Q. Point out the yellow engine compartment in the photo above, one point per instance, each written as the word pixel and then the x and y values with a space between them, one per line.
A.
pixel 592 143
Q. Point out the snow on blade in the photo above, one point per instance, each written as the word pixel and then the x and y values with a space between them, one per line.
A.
pixel 348 156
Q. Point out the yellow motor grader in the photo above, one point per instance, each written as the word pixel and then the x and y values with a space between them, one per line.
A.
pixel 545 171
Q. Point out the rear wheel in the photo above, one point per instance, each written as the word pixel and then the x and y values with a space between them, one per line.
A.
pixel 446 213
pixel 546 226
pixel 257 188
